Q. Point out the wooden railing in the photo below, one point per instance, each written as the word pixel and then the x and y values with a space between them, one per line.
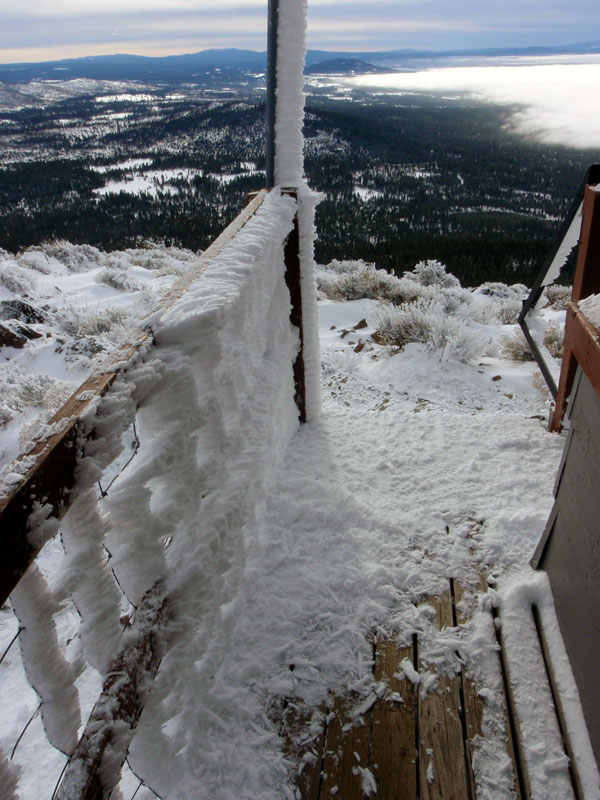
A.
pixel 48 478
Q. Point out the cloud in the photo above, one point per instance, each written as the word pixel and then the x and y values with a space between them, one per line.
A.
pixel 552 100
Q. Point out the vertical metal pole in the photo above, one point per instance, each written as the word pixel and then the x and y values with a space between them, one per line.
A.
pixel 273 22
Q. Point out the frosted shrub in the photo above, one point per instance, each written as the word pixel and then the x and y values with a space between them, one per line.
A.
pixel 15 283
pixel 432 273
pixel 554 337
pixel 116 279
pixel 346 267
pixel 374 284
pixel 354 280
pixel 558 296
pixel 509 311
pixel 424 321
pixel 514 347
pixel 408 322
pixel 35 259
pixel 76 257
pixel 455 300
pixel 364 281
pixel 485 313
pixel 80 323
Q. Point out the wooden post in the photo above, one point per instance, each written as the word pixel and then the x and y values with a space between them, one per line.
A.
pixel 587 273
pixel 587 282
pixel 293 280
pixel 115 716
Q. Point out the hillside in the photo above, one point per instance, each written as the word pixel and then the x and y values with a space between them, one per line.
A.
pixel 117 164
pixel 236 63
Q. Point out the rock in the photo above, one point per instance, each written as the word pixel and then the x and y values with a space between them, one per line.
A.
pixel 19 309
pixel 16 334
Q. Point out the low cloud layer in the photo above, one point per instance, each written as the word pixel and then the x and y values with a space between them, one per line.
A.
pixel 556 102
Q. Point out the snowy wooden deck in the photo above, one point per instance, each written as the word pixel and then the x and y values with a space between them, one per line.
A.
pixel 413 742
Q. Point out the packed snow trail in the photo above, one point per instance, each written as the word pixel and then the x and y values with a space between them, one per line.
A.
pixel 419 469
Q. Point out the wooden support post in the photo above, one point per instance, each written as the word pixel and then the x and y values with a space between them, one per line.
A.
pixel 115 716
pixel 587 272
pixel 586 282
pixel 582 347
pixel 293 280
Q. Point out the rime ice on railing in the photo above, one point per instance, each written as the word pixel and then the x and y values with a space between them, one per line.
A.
pixel 48 671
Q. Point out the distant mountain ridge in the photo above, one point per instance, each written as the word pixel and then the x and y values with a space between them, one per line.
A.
pixel 187 67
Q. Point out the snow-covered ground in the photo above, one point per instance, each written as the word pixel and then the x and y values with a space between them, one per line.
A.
pixel 429 460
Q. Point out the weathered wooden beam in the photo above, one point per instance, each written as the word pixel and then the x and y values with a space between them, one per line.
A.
pixel 50 473
pixel 585 283
pixel 587 271
pixel 582 346
pixel 95 766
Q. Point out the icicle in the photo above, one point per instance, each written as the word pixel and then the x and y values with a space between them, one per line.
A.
pixel 49 673
pixel 89 580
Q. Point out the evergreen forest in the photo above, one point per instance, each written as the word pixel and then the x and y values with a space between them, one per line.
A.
pixel 402 178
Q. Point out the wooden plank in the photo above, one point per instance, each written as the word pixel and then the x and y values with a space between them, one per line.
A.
pixel 307 754
pixel 50 476
pixel 347 748
pixel 394 742
pixel 441 746
pixel 115 716
pixel 472 707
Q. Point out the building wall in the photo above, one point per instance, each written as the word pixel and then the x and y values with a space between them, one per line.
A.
pixel 570 549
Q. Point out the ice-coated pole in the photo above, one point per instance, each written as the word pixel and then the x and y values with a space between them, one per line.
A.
pixel 273 21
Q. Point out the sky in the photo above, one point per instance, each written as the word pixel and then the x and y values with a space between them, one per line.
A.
pixel 38 30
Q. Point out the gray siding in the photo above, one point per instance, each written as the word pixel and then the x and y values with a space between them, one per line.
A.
pixel 570 550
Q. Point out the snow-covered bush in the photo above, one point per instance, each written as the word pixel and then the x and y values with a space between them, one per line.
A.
pixel 554 337
pixel 78 322
pixel 408 322
pixel 484 313
pixel 424 321
pixel 357 281
pixel 35 259
pixel 353 280
pixel 76 257
pixel 116 279
pixel 432 273
pixel 514 347
pixel 509 311
pixel 558 296
pixel 13 281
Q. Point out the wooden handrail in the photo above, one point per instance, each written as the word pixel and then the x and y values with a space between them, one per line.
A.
pixel 50 465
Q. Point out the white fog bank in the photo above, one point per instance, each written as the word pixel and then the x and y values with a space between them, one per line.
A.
pixel 559 102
